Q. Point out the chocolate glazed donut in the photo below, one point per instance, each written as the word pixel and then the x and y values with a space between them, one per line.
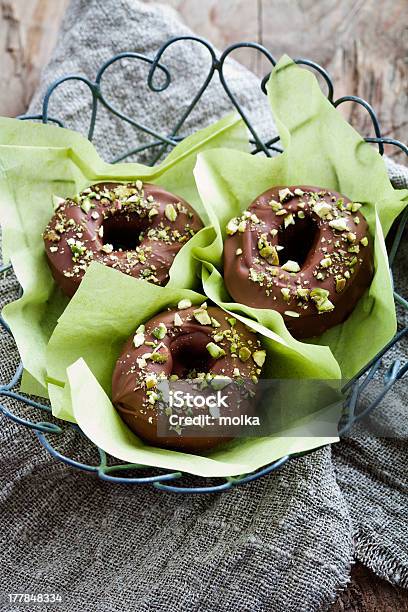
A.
pixel 303 251
pixel 136 228
pixel 202 344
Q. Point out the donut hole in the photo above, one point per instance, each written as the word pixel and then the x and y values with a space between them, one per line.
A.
pixel 123 232
pixel 190 355
pixel 298 240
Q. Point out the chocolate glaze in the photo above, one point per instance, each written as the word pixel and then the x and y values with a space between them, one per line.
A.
pixel 130 227
pixel 337 261
pixel 184 350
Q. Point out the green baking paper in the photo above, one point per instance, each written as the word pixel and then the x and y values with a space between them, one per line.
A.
pixel 38 161
pixel 82 353
pixel 322 149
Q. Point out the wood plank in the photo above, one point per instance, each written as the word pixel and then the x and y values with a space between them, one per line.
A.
pixel 362 43
pixel 368 593
pixel 28 32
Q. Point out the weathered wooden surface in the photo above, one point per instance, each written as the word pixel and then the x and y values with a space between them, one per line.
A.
pixel 28 31
pixel 363 44
pixel 367 593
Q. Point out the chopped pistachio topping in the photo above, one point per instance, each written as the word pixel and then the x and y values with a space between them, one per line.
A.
pixel 139 185
pixel 170 212
pixel 355 206
pixel 339 224
pixel 325 306
pixel 220 382
pixel 285 194
pixel 77 247
pixel 215 351
pixel 322 209
pixel 232 227
pixel 259 357
pixel 326 262
pixel 291 266
pixel 291 313
pixel 152 397
pixel 107 248
pixel 364 241
pixel 160 331
pixel 153 212
pixel 86 205
pixel 151 381
pixel 244 353
pixel 215 323
pixel 267 250
pixel 340 284
pixel 238 252
pixel 242 226
pixel 299 192
pixel 178 321
pixel 321 300
pixel 159 357
pixel 138 339
pixel 286 293
pixel 319 293
pixel 232 321
pixel 183 304
pixel 303 293
pixel 275 205
pixel 202 316
pixel 141 362
pixel 289 220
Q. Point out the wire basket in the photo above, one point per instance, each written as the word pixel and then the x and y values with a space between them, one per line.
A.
pixel 157 145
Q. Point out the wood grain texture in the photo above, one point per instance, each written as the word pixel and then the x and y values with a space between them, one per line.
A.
pixel 367 593
pixel 363 44
pixel 28 31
